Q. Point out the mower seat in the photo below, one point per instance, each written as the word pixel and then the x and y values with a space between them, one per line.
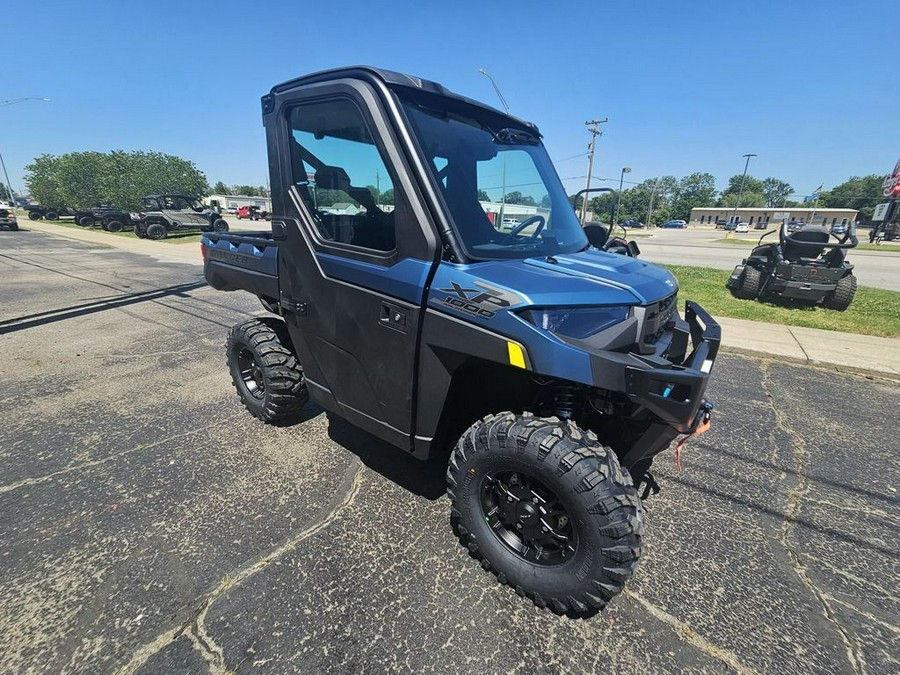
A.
pixel 596 234
pixel 813 238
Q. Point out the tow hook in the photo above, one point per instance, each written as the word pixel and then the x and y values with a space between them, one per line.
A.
pixel 701 424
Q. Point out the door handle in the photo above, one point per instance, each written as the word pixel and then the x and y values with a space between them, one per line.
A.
pixel 393 317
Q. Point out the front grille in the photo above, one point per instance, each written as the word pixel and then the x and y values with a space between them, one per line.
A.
pixel 657 318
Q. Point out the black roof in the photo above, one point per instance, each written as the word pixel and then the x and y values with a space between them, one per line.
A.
pixel 390 78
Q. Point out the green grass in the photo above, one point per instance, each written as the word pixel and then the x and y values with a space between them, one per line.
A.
pixel 873 312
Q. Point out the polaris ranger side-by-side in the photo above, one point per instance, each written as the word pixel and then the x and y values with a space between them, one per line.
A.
pixel 551 372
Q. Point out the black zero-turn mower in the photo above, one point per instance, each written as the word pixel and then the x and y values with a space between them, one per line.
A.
pixel 803 268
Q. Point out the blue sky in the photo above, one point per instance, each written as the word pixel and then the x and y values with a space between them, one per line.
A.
pixel 810 87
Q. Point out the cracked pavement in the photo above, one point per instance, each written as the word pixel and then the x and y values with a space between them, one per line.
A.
pixel 148 524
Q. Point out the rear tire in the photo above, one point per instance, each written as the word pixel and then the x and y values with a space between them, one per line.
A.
pixel 156 231
pixel 267 375
pixel 86 221
pixel 574 542
pixel 841 297
pixel 113 226
pixel 51 215
pixel 221 225
pixel 139 232
pixel 34 215
pixel 750 283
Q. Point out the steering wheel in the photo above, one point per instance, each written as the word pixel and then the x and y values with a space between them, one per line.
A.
pixel 528 221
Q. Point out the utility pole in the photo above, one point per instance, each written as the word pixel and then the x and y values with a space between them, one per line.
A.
pixel 650 208
pixel 743 178
pixel 594 130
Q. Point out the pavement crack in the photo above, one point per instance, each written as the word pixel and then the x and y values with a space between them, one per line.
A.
pixel 799 344
pixel 689 635
pixel 795 495
pixel 36 480
pixel 195 626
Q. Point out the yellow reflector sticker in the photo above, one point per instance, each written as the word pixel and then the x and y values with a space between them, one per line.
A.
pixel 516 355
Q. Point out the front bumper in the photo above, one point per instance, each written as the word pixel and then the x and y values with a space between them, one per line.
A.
pixel 669 383
pixel 673 389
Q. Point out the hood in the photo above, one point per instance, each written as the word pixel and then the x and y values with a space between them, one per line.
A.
pixel 589 277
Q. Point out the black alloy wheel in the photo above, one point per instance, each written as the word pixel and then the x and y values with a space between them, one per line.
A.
pixel 526 516
pixel 251 374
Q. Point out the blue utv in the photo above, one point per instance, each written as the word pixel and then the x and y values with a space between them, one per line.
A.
pixel 548 373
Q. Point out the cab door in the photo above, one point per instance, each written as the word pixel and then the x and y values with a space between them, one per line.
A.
pixel 357 250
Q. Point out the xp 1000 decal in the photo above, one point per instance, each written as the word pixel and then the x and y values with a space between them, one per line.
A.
pixel 483 301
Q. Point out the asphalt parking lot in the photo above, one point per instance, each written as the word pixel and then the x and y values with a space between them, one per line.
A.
pixel 149 525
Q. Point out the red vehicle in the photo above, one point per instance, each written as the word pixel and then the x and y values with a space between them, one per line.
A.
pixel 252 213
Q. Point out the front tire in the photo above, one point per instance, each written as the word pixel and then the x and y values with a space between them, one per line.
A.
pixel 86 221
pixel 221 225
pixel 841 297
pixel 34 215
pixel 156 231
pixel 51 215
pixel 265 372
pixel 113 226
pixel 749 284
pixel 547 509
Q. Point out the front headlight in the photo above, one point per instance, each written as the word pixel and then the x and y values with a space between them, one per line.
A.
pixel 578 323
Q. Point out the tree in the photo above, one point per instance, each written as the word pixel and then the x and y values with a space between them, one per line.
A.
pixel 483 196
pixel 754 200
pixel 858 192
pixel 387 197
pixel 220 188
pixel 694 191
pixel 751 184
pixel 776 191
pixel 83 179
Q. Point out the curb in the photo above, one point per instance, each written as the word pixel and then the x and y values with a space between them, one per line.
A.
pixel 868 373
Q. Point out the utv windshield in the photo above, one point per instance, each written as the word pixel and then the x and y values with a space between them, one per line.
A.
pixel 503 194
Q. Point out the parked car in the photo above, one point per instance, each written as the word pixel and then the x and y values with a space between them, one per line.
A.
pixel 508 223
pixel 838 228
pixel 742 227
pixel 674 224
pixel 636 224
pixel 8 217
pixel 252 213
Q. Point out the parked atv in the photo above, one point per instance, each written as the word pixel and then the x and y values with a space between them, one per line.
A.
pixel 545 372
pixel 167 213
pixel 803 267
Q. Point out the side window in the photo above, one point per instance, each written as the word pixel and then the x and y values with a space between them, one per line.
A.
pixel 341 175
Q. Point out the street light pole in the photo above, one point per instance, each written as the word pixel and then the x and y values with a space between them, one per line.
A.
pixel 743 178
pixel 625 169
pixel 12 197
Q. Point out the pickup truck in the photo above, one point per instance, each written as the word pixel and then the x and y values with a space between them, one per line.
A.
pixel 544 372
